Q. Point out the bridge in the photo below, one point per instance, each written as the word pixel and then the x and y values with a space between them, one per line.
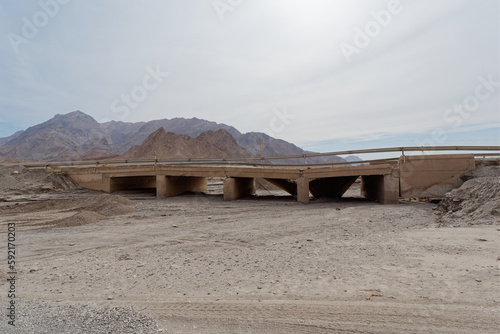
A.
pixel 382 180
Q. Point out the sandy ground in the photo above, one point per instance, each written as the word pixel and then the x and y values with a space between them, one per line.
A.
pixel 197 264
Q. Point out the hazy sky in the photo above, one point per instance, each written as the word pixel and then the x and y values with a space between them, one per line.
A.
pixel 324 74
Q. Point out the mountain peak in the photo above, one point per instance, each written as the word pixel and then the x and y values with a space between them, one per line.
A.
pixel 61 136
pixel 160 133
pixel 76 115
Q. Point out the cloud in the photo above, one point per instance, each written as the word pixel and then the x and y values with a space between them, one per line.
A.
pixel 263 55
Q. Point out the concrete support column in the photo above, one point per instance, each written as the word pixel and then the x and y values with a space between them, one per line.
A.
pixel 106 184
pixel 303 190
pixel 382 188
pixel 167 186
pixel 235 188
pixel 161 186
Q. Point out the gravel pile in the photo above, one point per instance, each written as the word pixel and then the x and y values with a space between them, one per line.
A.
pixel 40 317
pixel 476 202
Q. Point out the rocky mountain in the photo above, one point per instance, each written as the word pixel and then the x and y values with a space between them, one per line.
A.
pixel 3 141
pixel 64 137
pixel 77 136
pixel 168 145
pixel 278 147
pixel 124 135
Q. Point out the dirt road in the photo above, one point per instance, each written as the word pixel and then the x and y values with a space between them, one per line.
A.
pixel 197 264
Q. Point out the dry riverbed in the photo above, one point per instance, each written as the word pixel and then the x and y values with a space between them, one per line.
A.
pixel 130 263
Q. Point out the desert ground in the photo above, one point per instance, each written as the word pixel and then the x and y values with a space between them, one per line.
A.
pixel 89 262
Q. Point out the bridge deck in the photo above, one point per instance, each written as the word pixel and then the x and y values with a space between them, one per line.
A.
pixel 411 176
pixel 275 172
pixel 171 180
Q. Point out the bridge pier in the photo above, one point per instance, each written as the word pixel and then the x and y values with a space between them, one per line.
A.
pixel 237 187
pixel 303 190
pixel 381 188
pixel 168 186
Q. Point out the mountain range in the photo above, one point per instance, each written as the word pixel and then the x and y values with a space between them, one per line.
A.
pixel 78 136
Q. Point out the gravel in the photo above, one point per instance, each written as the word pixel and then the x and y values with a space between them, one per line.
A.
pixel 476 202
pixel 35 317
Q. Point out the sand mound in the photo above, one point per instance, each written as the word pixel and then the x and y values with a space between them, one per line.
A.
pixel 17 179
pixel 476 202
pixel 80 218
pixel 97 208
pixel 70 212
pixel 109 205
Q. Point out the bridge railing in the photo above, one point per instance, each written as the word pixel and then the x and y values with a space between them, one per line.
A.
pixel 486 151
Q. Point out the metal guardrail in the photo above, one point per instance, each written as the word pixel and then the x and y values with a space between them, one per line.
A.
pixel 255 160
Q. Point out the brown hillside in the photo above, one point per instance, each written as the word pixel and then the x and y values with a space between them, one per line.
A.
pixel 167 145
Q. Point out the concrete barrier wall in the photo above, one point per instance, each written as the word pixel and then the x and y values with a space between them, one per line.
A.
pixel 433 175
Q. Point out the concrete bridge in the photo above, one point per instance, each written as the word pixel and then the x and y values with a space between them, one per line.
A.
pixel 383 181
